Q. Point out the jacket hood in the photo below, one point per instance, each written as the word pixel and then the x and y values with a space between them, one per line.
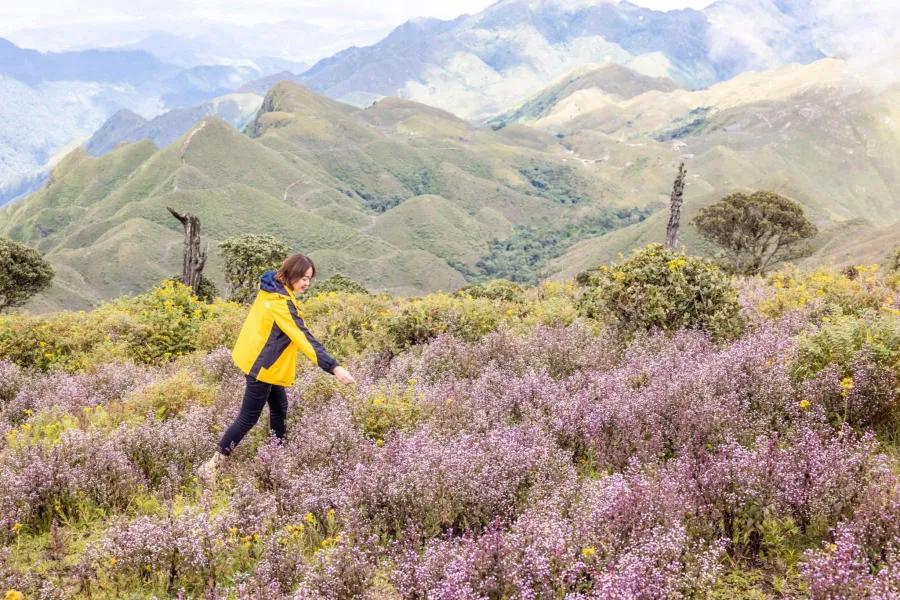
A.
pixel 267 283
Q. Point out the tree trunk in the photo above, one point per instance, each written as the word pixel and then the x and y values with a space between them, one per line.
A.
pixel 675 209
pixel 194 257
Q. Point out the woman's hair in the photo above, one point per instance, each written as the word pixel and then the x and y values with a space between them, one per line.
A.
pixel 293 268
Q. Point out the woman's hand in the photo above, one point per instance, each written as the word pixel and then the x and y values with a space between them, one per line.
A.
pixel 343 375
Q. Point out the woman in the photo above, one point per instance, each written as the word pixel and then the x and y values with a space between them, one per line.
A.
pixel 266 351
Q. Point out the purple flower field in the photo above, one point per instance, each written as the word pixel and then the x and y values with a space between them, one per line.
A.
pixel 550 458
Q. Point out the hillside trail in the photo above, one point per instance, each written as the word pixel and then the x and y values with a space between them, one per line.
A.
pixel 187 142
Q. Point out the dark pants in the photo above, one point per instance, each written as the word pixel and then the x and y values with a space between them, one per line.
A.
pixel 256 396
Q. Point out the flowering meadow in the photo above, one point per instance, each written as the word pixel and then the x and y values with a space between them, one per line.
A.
pixel 501 443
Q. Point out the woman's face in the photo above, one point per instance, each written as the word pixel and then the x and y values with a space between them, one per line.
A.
pixel 301 284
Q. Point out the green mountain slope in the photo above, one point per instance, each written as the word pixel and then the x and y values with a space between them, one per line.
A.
pixel 818 133
pixel 402 197
pixel 407 198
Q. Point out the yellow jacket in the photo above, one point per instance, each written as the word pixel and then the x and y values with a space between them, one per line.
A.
pixel 272 335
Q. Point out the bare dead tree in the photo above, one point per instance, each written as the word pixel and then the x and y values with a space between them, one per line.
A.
pixel 194 257
pixel 675 209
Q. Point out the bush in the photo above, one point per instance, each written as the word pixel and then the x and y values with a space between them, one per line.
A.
pixel 247 257
pixel 160 324
pixel 155 327
pixel 384 411
pixel 822 293
pixel 496 289
pixel 170 397
pixel 840 341
pixel 664 289
pixel 335 283
pixel 342 321
pixel 852 365
pixel 23 273
pixel 423 319
pixel 206 291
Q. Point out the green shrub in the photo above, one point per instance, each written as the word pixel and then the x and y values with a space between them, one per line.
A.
pixel 840 341
pixel 158 325
pixel 169 397
pixel 423 319
pixel 853 291
pixel 43 342
pixel 206 291
pixel 247 257
pixel 23 273
pixel 384 411
pixel 664 289
pixel 221 326
pixel 496 289
pixel 335 283
pixel 343 321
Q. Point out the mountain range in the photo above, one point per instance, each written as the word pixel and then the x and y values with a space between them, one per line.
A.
pixel 534 139
pixel 475 66
pixel 408 198
pixel 52 102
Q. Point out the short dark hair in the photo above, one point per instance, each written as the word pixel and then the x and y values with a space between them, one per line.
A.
pixel 293 268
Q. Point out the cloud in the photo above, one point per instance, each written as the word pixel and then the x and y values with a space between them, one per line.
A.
pixel 865 33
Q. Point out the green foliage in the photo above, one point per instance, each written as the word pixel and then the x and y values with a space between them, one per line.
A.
pixel 160 325
pixel 521 257
pixel 557 183
pixel 840 341
pixel 247 257
pixel 384 411
pixel 23 273
pixel 343 322
pixel 169 397
pixel 423 319
pixel 823 293
pixel 379 202
pixel 67 341
pixel 755 231
pixel 335 283
pixel 694 123
pixel 665 289
pixel 206 291
pixel 496 289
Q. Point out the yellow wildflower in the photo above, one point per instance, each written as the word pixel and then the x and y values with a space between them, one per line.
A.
pixel 804 403
pixel 14 595
pixel 589 551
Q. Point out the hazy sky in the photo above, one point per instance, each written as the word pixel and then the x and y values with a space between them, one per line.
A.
pixel 62 24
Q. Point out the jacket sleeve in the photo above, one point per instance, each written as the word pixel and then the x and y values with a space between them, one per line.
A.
pixel 291 323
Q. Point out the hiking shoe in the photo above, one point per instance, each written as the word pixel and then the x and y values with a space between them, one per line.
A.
pixel 209 471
